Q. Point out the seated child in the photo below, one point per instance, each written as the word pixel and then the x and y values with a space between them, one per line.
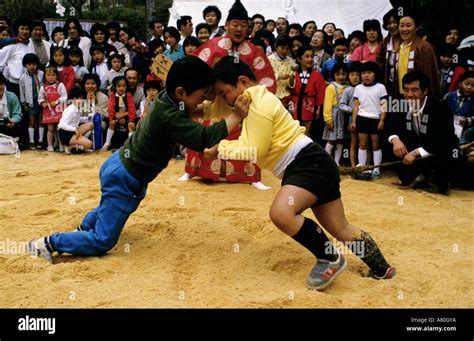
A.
pixel 71 134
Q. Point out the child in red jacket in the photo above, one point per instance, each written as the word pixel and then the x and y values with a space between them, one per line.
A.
pixel 122 113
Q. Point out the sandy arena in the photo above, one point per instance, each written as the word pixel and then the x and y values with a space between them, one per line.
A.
pixel 200 244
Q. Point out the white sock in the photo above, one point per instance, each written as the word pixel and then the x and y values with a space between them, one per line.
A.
pixel 41 134
pixel 259 185
pixel 108 139
pixel 31 134
pixel 362 157
pixel 377 160
pixel 338 153
pixel 185 177
pixel 329 147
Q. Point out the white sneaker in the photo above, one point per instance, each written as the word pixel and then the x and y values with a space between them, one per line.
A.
pixel 67 150
pixel 259 185
pixel 105 147
pixel 61 148
pixel 185 177
pixel 37 248
pixel 50 149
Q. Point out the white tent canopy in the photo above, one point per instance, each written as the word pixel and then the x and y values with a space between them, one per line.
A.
pixel 346 14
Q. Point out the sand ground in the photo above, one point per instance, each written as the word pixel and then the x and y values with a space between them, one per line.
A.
pixel 197 244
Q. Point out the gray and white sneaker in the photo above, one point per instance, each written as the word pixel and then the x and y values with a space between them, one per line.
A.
pixel 324 272
pixel 37 248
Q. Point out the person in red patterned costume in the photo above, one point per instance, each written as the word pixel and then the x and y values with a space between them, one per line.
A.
pixel 232 43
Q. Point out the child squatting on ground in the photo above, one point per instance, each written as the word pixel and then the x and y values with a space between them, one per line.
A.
pixel 310 177
pixel 124 176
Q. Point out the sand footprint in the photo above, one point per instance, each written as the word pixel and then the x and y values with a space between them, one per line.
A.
pixel 47 211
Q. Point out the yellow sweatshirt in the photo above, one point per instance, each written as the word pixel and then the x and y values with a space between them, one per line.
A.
pixel 330 99
pixel 268 131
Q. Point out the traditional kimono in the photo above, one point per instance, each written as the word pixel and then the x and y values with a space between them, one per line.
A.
pixel 232 170
pixel 421 58
pixel 307 95
pixel 216 48
pixel 215 169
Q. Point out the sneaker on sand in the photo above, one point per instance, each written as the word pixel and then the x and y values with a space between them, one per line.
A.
pixel 390 273
pixel 324 272
pixel 105 147
pixel 375 175
pixel 77 149
pixel 37 248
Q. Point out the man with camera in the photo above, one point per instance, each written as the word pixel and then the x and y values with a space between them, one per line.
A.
pixel 10 110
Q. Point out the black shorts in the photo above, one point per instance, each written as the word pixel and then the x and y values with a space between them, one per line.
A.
pixel 315 171
pixel 65 136
pixel 366 125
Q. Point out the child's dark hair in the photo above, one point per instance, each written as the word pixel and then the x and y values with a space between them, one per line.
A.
pixel 264 33
pixel 302 50
pixel 355 67
pixel 3 80
pixel 466 75
pixel 30 58
pixel 341 42
pixel 151 85
pixel 191 41
pixel 340 67
pixel 64 51
pixel 118 79
pixel 446 50
pixel 76 51
pixel 6 28
pixel 202 25
pixel 118 56
pixel 189 73
pixel 370 67
pixel 301 38
pixel 229 69
pixel 97 47
pixel 358 35
pixel 258 42
pixel 282 40
pixel 56 30
pixel 75 93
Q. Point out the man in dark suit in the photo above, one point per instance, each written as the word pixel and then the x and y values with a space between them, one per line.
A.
pixel 426 131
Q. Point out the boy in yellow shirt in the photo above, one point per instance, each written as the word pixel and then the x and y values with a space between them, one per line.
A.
pixel 310 178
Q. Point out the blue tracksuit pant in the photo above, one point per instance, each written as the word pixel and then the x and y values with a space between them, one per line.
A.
pixel 121 195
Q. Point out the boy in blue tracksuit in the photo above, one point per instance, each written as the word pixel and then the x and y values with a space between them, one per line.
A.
pixel 125 174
